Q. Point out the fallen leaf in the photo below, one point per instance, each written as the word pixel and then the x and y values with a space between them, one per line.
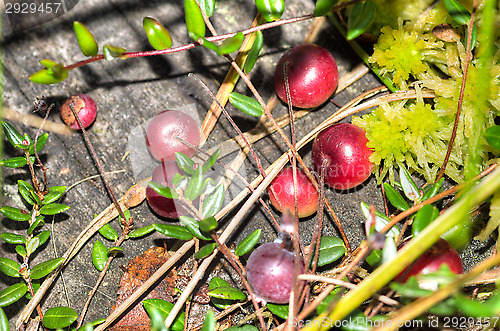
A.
pixel 446 32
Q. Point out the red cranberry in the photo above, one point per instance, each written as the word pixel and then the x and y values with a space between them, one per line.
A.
pixel 84 106
pixel 343 149
pixel 307 195
pixel 270 272
pixel 312 75
pixel 165 128
pixel 164 174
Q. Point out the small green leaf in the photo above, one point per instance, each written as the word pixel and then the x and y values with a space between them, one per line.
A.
pixel 375 258
pixel 55 192
pixel 164 307
pixel 194 186
pixel 12 293
pixel 36 286
pixel 136 233
pixel 395 198
pixel 278 310
pixel 330 249
pixel 457 11
pixel 410 189
pixel 32 245
pixel 213 203
pixel 43 237
pixel 173 231
pixel 158 36
pixel 12 135
pixel 37 223
pixel 253 53
pixel 59 317
pixel 360 18
pixel 424 217
pixel 50 76
pixel 492 136
pixel 99 255
pixel 192 225
pixel 208 224
pixel 194 18
pixel 271 10
pixel 112 52
pixel 185 163
pixel 205 251
pixel 9 267
pixel 216 282
pixel 207 6
pixel 108 232
pixel 164 191
pixel 40 142
pixel 43 269
pixel 14 162
pixel 24 189
pixel 36 198
pixel 227 293
pixel 231 45
pixel 323 7
pixel 86 39
pixel 246 104
pixel 205 42
pixel 53 209
pixel 210 323
pixel 115 250
pixel 15 214
pixel 90 325
pixel 13 238
pixel 127 215
pixel 211 161
pixel 432 189
pixel 380 221
pixel 248 243
pixel 177 179
pixel 21 250
pixel 390 250
pixel 4 321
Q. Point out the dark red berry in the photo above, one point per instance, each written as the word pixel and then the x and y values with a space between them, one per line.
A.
pixel 84 106
pixel 307 195
pixel 165 129
pixel 342 149
pixel 312 75
pixel 165 207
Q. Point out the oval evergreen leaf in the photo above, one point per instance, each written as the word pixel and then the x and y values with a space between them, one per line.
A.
pixel 432 189
pixel 14 162
pixel 208 224
pixel 194 19
pixel 227 293
pixel 185 163
pixel 164 307
pixel 43 269
pixel 9 267
pixel 194 186
pixel 231 45
pixel 246 104
pixel 164 191
pixel 492 136
pixel 55 192
pixel 211 161
pixel 108 232
pixel 86 39
pixel 49 76
pixel 32 245
pixel 115 250
pixel 21 250
pixel 4 321
pixel 43 237
pixel 395 198
pixel 15 214
pixel 323 7
pixel 193 227
pixel 253 54
pixel 217 282
pixel 12 135
pixel 271 10
pixel 424 217
pixel 111 52
pixel 410 189
pixel 12 293
pixel 247 244
pixel 213 203
pixel 99 255
pixel 38 222
pixel 330 250
pixel 136 233
pixel 278 310
pixel 360 18
pixel 53 209
pixel 210 323
pixel 24 189
pixel 457 11
pixel 173 231
pixel 205 251
pixel 59 317
pixel 207 6
pixel 13 238
pixel 158 36
pixel 40 142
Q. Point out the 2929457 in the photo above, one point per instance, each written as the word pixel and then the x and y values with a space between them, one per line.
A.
pixel 33 7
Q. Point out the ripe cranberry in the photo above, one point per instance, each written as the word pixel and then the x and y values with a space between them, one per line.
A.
pixel 165 128
pixel 270 272
pixel 84 106
pixel 312 75
pixel 164 174
pixel 307 195
pixel 343 149
pixel 440 253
